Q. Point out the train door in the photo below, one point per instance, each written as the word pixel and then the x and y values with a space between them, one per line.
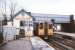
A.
pixel 45 25
pixel 48 30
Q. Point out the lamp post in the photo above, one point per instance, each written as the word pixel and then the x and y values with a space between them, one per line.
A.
pixel 53 22
pixel 1 31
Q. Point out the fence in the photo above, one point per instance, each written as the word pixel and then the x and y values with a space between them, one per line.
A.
pixel 9 32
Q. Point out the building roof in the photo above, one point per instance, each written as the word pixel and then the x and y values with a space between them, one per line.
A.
pixel 21 11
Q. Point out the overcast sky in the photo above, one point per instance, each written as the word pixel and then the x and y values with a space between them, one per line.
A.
pixel 47 6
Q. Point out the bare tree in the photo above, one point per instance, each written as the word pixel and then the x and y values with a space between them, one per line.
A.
pixel 11 7
pixel 3 9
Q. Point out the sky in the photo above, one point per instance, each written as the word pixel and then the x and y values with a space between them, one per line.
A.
pixel 48 6
pixel 64 7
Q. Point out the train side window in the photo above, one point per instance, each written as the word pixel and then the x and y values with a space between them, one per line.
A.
pixel 41 25
pixel 50 26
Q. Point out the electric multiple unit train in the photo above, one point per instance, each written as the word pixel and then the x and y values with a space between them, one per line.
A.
pixel 44 30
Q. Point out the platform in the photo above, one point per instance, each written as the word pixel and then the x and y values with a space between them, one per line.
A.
pixel 21 44
pixel 27 43
pixel 39 44
pixel 68 34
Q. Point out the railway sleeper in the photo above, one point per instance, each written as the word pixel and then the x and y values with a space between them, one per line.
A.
pixel 63 46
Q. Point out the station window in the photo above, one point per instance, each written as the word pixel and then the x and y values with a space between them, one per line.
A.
pixel 41 25
pixel 30 24
pixel 21 23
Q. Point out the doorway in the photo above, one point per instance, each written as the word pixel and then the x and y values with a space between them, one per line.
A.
pixel 22 33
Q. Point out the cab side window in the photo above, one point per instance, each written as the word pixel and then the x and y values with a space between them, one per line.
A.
pixel 41 25
pixel 50 26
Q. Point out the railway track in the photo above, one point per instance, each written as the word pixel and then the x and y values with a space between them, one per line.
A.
pixel 59 46
pixel 67 42
pixel 62 42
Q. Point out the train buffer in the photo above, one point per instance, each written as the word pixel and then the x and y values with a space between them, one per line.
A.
pixel 27 43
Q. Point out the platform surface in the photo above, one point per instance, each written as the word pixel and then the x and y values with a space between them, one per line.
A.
pixel 27 43
pixel 21 44
pixel 39 44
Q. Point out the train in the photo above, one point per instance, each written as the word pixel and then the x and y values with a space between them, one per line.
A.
pixel 44 30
